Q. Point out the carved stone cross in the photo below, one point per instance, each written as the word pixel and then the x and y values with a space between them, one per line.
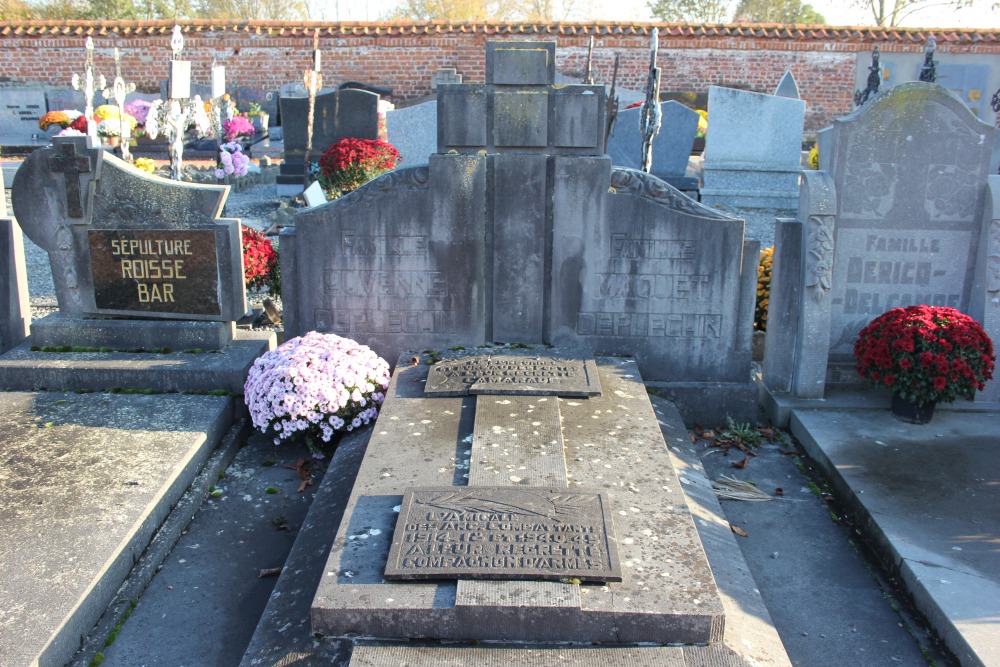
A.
pixel 72 165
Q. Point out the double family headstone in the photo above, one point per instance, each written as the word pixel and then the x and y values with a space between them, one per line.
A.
pixel 752 150
pixel 671 146
pixel 905 216
pixel 338 115
pixel 520 230
pixel 19 113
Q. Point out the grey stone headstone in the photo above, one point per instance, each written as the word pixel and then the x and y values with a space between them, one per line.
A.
pixel 528 373
pixel 203 90
pixel 413 131
pixel 20 110
pixel 298 89
pixel 122 242
pixel 787 87
pixel 60 99
pixel 505 533
pixel 671 147
pixel 445 75
pixel 898 221
pixel 15 311
pixel 824 139
pixel 752 150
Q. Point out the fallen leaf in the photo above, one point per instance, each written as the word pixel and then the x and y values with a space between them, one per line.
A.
pixel 741 464
pixel 304 484
pixel 766 433
pixel 739 531
pixel 269 572
pixel 694 438
pixel 414 361
pixel 778 491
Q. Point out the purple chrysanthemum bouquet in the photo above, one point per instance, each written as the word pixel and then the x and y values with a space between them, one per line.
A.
pixel 232 160
pixel 317 385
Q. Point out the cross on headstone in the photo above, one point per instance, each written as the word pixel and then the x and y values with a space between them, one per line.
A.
pixel 89 84
pixel 71 165
pixel 117 92
pixel 650 118
pixel 445 75
pixel 313 81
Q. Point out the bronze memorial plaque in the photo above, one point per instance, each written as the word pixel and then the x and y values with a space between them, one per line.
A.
pixel 155 270
pixel 548 374
pixel 502 532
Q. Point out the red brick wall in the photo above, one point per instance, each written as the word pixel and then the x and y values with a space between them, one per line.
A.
pixel 405 56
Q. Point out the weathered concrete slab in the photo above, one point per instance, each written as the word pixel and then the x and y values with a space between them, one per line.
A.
pixel 87 479
pixel 612 443
pixel 382 656
pixel 24 369
pixel 930 497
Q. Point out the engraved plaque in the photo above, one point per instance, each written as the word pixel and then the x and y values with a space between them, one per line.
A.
pixel 511 373
pixel 509 533
pixel 155 270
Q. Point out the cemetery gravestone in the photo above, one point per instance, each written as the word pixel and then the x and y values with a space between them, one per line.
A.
pixel 413 131
pixel 898 221
pixel 267 99
pixel 341 114
pixel 19 113
pixel 15 311
pixel 787 87
pixel 752 149
pixel 519 229
pixel 60 99
pixel 137 262
pixel 671 147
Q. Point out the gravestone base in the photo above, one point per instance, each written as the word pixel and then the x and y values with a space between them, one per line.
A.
pixel 710 403
pixel 779 406
pixel 24 369
pixel 750 187
pixel 610 443
pixel 56 330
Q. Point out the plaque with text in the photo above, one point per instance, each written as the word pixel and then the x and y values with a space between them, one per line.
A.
pixel 155 270
pixel 510 373
pixel 507 533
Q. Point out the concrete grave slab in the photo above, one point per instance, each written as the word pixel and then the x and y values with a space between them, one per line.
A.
pixel 19 114
pixel 937 542
pixel 616 430
pixel 88 478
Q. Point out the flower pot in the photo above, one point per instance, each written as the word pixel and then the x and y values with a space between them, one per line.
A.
pixel 112 141
pixel 260 122
pixel 910 412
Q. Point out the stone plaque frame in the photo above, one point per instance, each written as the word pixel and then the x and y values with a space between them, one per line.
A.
pixel 504 533
pixel 548 373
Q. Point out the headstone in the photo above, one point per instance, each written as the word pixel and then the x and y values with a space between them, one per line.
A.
pixel 897 221
pixel 520 230
pixel 671 146
pixel 202 90
pixel 752 150
pixel 15 311
pixel 824 139
pixel 19 113
pixel 125 243
pixel 267 99
pixel 787 87
pixel 138 262
pixel 60 99
pixel 298 89
pixel 345 113
pixel 445 75
pixel 413 131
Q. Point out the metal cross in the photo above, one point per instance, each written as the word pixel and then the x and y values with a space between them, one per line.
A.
pixel 313 81
pixel 89 84
pixel 649 120
pixel 928 71
pixel 72 165
pixel 117 92
pixel 874 81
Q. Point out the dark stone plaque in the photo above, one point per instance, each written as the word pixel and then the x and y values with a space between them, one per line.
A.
pixel 512 533
pixel 551 374
pixel 155 270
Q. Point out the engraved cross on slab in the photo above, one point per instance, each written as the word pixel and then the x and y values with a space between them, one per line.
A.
pixel 71 165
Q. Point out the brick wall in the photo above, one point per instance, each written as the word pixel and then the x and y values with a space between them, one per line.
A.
pixel 406 55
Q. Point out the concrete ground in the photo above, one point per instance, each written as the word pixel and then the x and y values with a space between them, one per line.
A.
pixel 831 605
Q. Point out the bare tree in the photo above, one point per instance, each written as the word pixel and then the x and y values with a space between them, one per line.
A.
pixel 690 11
pixel 894 12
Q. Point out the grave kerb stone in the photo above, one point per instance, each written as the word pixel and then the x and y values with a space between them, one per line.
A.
pixel 15 310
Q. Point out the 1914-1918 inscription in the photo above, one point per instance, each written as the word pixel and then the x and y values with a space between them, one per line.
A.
pixel 551 374
pixel 504 533
pixel 166 271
